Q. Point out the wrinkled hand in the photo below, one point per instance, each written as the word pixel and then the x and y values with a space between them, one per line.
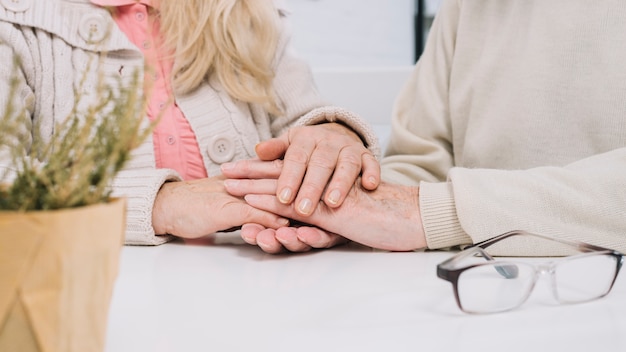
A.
pixel 387 218
pixel 321 160
pixel 192 209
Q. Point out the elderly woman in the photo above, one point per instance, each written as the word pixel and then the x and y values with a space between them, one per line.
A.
pixel 219 78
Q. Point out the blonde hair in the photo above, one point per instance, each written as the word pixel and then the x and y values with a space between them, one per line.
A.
pixel 233 39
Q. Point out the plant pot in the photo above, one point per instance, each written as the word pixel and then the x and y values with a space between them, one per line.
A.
pixel 57 272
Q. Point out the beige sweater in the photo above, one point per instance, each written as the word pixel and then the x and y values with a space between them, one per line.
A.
pixel 56 39
pixel 515 118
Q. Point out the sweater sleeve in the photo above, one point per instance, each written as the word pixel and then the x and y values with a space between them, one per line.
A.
pixel 140 188
pixel 420 147
pixel 582 201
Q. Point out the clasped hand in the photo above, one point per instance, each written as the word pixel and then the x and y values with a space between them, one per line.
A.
pixel 367 213
pixel 309 162
pixel 315 161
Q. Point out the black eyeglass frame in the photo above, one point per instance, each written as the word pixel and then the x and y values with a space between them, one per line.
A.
pixel 448 271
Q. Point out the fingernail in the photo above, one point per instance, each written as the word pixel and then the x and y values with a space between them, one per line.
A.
pixel 285 196
pixel 372 180
pixel 333 197
pixel 227 166
pixel 282 222
pixel 305 206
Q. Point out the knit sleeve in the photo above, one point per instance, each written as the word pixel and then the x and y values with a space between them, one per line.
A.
pixel 581 201
pixel 140 188
pixel 347 118
pixel 420 147
pixel 439 218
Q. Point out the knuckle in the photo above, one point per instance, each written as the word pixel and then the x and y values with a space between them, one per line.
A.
pixel 323 162
pixel 293 132
pixel 297 156
pixel 351 160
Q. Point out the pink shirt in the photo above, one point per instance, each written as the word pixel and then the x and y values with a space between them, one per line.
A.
pixel 175 145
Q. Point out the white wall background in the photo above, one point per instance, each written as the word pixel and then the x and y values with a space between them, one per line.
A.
pixel 349 33
pixel 361 51
pixel 355 33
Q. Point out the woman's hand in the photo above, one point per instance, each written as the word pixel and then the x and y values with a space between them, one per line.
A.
pixel 192 209
pixel 319 162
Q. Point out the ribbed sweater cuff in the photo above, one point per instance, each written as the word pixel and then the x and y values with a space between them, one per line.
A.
pixel 140 189
pixel 348 118
pixel 441 223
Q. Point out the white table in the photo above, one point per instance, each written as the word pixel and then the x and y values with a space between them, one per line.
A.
pixel 222 296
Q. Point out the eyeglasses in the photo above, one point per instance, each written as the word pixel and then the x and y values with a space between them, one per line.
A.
pixel 484 285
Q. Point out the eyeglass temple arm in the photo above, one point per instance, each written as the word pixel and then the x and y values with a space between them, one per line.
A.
pixel 581 246
pixel 509 271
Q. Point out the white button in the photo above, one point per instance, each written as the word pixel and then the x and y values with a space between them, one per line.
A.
pixel 221 149
pixel 171 140
pixel 140 16
pixel 146 44
pixel 93 27
pixel 16 5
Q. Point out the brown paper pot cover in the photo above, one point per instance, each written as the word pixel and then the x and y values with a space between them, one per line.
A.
pixel 57 271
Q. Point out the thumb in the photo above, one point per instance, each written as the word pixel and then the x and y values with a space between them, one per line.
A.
pixel 272 149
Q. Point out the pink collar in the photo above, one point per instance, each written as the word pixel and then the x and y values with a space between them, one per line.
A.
pixel 115 3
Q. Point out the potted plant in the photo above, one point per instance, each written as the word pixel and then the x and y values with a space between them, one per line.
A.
pixel 60 231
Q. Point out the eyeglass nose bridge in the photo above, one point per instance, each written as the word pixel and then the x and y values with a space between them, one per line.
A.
pixel 547 270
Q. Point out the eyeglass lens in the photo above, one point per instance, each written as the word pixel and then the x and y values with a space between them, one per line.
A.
pixel 583 278
pixel 487 289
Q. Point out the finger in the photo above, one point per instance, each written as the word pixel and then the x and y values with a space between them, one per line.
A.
pixel 272 149
pixel 294 167
pixel 370 171
pixel 319 171
pixel 249 233
pixel 346 171
pixel 266 240
pixel 318 238
pixel 288 237
pixel 242 187
pixel 252 168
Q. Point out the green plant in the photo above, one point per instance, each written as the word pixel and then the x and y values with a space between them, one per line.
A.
pixel 76 167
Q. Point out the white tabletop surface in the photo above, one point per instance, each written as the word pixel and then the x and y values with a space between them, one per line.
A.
pixel 222 296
